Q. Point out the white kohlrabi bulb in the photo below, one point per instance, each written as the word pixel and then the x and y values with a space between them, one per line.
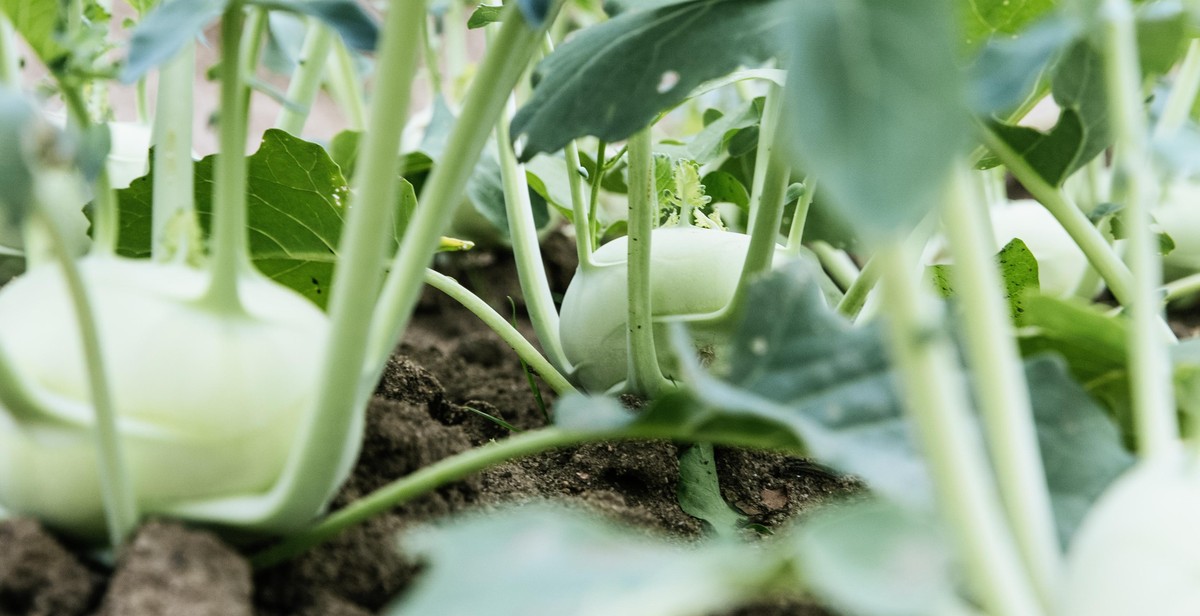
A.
pixel 693 272
pixel 1138 551
pixel 208 404
pixel 1179 217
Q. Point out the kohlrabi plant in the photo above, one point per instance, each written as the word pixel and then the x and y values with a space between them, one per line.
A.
pixel 1029 453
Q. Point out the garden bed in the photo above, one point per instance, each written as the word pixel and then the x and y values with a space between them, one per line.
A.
pixel 448 361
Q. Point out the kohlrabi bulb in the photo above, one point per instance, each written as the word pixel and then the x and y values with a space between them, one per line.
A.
pixel 1138 551
pixel 208 404
pixel 1061 264
pixel 1178 215
pixel 693 272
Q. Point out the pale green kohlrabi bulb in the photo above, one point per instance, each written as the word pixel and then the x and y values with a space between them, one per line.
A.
pixel 1138 551
pixel 1178 215
pixel 208 404
pixel 694 272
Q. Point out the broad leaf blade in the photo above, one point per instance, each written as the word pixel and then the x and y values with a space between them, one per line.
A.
pixel 538 561
pixel 700 491
pixel 1018 271
pixel 38 22
pixel 876 105
pixel 984 19
pixel 612 79
pixel 347 17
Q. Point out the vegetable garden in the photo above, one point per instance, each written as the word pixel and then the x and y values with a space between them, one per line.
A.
pixel 662 307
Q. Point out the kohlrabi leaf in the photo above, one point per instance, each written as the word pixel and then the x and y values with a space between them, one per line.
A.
pixel 700 491
pixel 875 558
pixel 1081 447
pixel 534 11
pixel 164 31
pixel 984 19
pixel 714 138
pixel 1018 270
pixel 612 79
pixel 1007 69
pixel 616 7
pixel 296 201
pixel 724 187
pixel 347 17
pixel 38 22
pixel 540 561
pixel 485 14
pixel 485 191
pixel 1163 32
pixel 876 106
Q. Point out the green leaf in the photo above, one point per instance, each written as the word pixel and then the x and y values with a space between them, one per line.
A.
pixel 700 492
pixel 1007 69
pixel 164 31
pixel 712 140
pixel 540 561
pixel 1018 270
pixel 724 187
pixel 484 14
pixel 485 191
pixel 1081 447
pixel 982 20
pixel 875 558
pixel 534 11
pixel 1163 33
pixel 612 79
pixel 347 17
pixel 39 23
pixel 876 102
pixel 296 198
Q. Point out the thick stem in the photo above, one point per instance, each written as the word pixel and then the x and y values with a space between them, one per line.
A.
pixel 644 374
pixel 766 202
pixel 306 81
pixel 506 61
pixel 840 266
pixel 522 229
pixel 937 402
pixel 800 218
pixel 502 327
pixel 1183 94
pixel 174 192
pixel 1090 240
pixel 120 505
pixel 1000 387
pixel 581 222
pixel 343 82
pixel 1150 371
pixel 106 222
pixel 416 484
pixel 230 252
pixel 250 51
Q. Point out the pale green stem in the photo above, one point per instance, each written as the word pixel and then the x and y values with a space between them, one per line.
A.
pixel 106 222
pixel 644 375
pixel 1183 94
pixel 454 46
pixel 503 65
pixel 431 58
pixel 1182 287
pixel 502 327
pixel 10 58
pixel 593 235
pixel 306 81
pixel 1090 240
pixel 337 414
pixel 800 218
pixel 342 79
pixel 415 484
pixel 856 295
pixel 141 101
pixel 581 222
pixel 120 505
pixel 250 51
pixel 1000 387
pixel 840 266
pixel 1150 370
pixel 937 403
pixel 767 134
pixel 522 229
pixel 230 256
pixel 174 192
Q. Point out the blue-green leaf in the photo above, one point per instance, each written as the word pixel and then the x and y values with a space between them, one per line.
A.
pixel 347 17
pixel 876 105
pixel 612 79
pixel 164 31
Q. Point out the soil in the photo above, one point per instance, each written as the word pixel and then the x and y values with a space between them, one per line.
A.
pixel 447 362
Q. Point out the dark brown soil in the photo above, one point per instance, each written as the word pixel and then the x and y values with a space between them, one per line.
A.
pixel 447 362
